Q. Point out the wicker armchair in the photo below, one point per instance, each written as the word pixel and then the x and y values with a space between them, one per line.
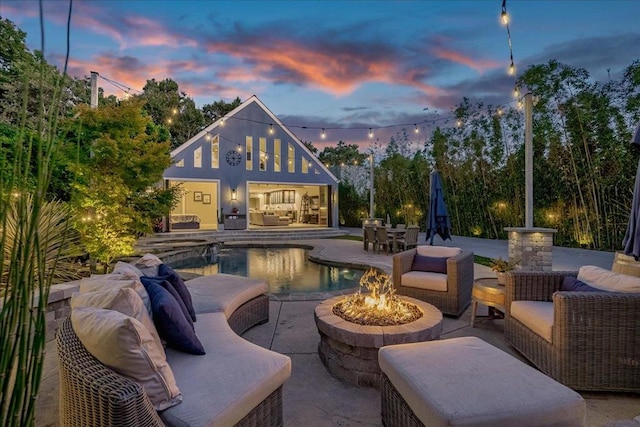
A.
pixel 456 298
pixel 595 337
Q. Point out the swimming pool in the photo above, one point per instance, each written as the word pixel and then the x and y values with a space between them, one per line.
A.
pixel 286 270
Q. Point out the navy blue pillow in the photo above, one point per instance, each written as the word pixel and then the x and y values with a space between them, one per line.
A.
pixel 571 283
pixel 430 264
pixel 172 324
pixel 165 284
pixel 167 273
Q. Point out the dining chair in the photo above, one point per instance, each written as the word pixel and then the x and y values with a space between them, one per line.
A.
pixel 382 239
pixel 410 238
pixel 401 226
pixel 369 237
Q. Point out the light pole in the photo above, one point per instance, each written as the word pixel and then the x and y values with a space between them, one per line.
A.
pixel 371 187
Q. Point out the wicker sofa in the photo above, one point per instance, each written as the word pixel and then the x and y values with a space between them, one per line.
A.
pixel 456 295
pixel 235 383
pixel 593 340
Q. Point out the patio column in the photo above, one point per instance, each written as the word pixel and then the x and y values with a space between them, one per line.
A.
pixel 531 247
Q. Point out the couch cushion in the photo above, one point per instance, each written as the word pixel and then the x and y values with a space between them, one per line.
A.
pixel 608 280
pixel 148 264
pixel 571 283
pixel 234 376
pixel 171 322
pixel 125 345
pixel 428 263
pixel 535 315
pixel 437 251
pixel 223 292
pixel 425 280
pixel 176 281
pixel 126 268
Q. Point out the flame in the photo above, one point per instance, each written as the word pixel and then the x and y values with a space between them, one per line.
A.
pixel 381 306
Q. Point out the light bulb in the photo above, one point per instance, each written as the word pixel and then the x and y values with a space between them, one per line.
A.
pixel 271 129
pixel 322 135
pixel 504 17
pixel 370 133
pixel 416 130
pixel 499 111
pixel 512 69
pixel 516 92
pixel 459 123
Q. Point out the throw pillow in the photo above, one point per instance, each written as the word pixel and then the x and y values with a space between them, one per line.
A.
pixel 571 283
pixel 165 284
pixel 111 281
pixel 126 268
pixel 176 281
pixel 148 264
pixel 429 264
pixel 438 251
pixel 171 322
pixel 123 344
pixel 608 280
pixel 124 300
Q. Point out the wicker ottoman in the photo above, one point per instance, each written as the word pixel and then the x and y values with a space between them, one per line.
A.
pixel 465 381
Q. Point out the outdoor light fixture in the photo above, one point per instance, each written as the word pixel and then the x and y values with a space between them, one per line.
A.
pixel 234 194
pixel 270 129
pixel 370 133
pixel 322 135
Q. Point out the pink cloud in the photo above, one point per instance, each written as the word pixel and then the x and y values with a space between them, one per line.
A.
pixel 478 65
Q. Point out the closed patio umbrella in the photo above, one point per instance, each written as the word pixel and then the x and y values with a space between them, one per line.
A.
pixel 631 241
pixel 438 221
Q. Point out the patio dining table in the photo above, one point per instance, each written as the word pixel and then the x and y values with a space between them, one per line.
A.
pixel 396 234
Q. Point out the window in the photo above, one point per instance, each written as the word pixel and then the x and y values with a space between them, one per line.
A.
pixel 304 165
pixel 215 152
pixel 197 158
pixel 180 164
pixel 249 153
pixel 263 154
pixel 276 155
pixel 291 159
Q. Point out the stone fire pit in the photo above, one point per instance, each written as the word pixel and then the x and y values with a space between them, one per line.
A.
pixel 349 351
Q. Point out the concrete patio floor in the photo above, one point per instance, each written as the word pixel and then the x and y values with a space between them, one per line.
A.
pixel 312 397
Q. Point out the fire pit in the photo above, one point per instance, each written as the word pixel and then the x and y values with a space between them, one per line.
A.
pixel 352 329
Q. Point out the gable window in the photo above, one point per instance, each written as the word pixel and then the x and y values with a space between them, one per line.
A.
pixel 291 159
pixel 197 158
pixel 180 163
pixel 276 155
pixel 263 154
pixel 304 165
pixel 215 152
pixel 249 149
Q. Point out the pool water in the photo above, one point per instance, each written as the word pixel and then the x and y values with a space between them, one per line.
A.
pixel 286 270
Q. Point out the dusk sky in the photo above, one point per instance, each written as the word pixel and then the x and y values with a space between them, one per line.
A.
pixel 334 64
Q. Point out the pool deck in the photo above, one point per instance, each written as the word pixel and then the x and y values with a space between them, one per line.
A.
pixel 312 397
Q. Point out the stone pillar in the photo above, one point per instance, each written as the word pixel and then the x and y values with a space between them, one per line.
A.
pixel 531 247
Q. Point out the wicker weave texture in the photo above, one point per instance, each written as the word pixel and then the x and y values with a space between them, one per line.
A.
pixel 251 313
pixel 94 395
pixel 459 282
pixel 595 337
pixel 395 410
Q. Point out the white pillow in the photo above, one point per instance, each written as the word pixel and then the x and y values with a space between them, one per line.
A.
pixel 106 281
pixel 148 265
pixel 124 300
pixel 126 268
pixel 608 280
pixel 437 251
pixel 123 344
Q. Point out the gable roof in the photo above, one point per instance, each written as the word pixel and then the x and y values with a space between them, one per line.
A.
pixel 253 99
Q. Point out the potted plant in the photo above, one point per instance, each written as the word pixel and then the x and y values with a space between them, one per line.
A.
pixel 501 266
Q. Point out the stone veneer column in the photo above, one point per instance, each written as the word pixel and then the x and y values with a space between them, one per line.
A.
pixel 531 247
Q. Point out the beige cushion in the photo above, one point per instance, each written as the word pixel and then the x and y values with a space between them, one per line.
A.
pixel 425 280
pixel 607 280
pixel 148 264
pixel 124 300
pixel 467 382
pixel 437 251
pixel 125 345
pixel 223 292
pixel 115 281
pixel 535 315
pixel 224 385
pixel 126 268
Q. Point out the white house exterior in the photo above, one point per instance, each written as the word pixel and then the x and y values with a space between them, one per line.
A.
pixel 248 170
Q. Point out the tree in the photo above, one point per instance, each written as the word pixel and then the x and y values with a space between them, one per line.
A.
pixel 213 112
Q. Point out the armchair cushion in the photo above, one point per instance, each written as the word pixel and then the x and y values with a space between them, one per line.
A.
pixel 428 263
pixel 607 280
pixel 437 251
pixel 535 315
pixel 571 283
pixel 425 280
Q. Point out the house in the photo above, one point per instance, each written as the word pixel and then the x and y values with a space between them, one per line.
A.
pixel 248 170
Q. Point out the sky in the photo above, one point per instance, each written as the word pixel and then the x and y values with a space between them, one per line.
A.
pixel 342 66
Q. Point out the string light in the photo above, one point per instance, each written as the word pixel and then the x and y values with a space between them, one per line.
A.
pixel 416 130
pixel 504 18
pixel 370 133
pixel 323 135
pixel 271 129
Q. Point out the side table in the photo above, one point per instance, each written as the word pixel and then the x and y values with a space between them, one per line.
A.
pixel 488 292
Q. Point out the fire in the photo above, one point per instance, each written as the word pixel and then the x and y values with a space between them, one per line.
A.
pixel 380 307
